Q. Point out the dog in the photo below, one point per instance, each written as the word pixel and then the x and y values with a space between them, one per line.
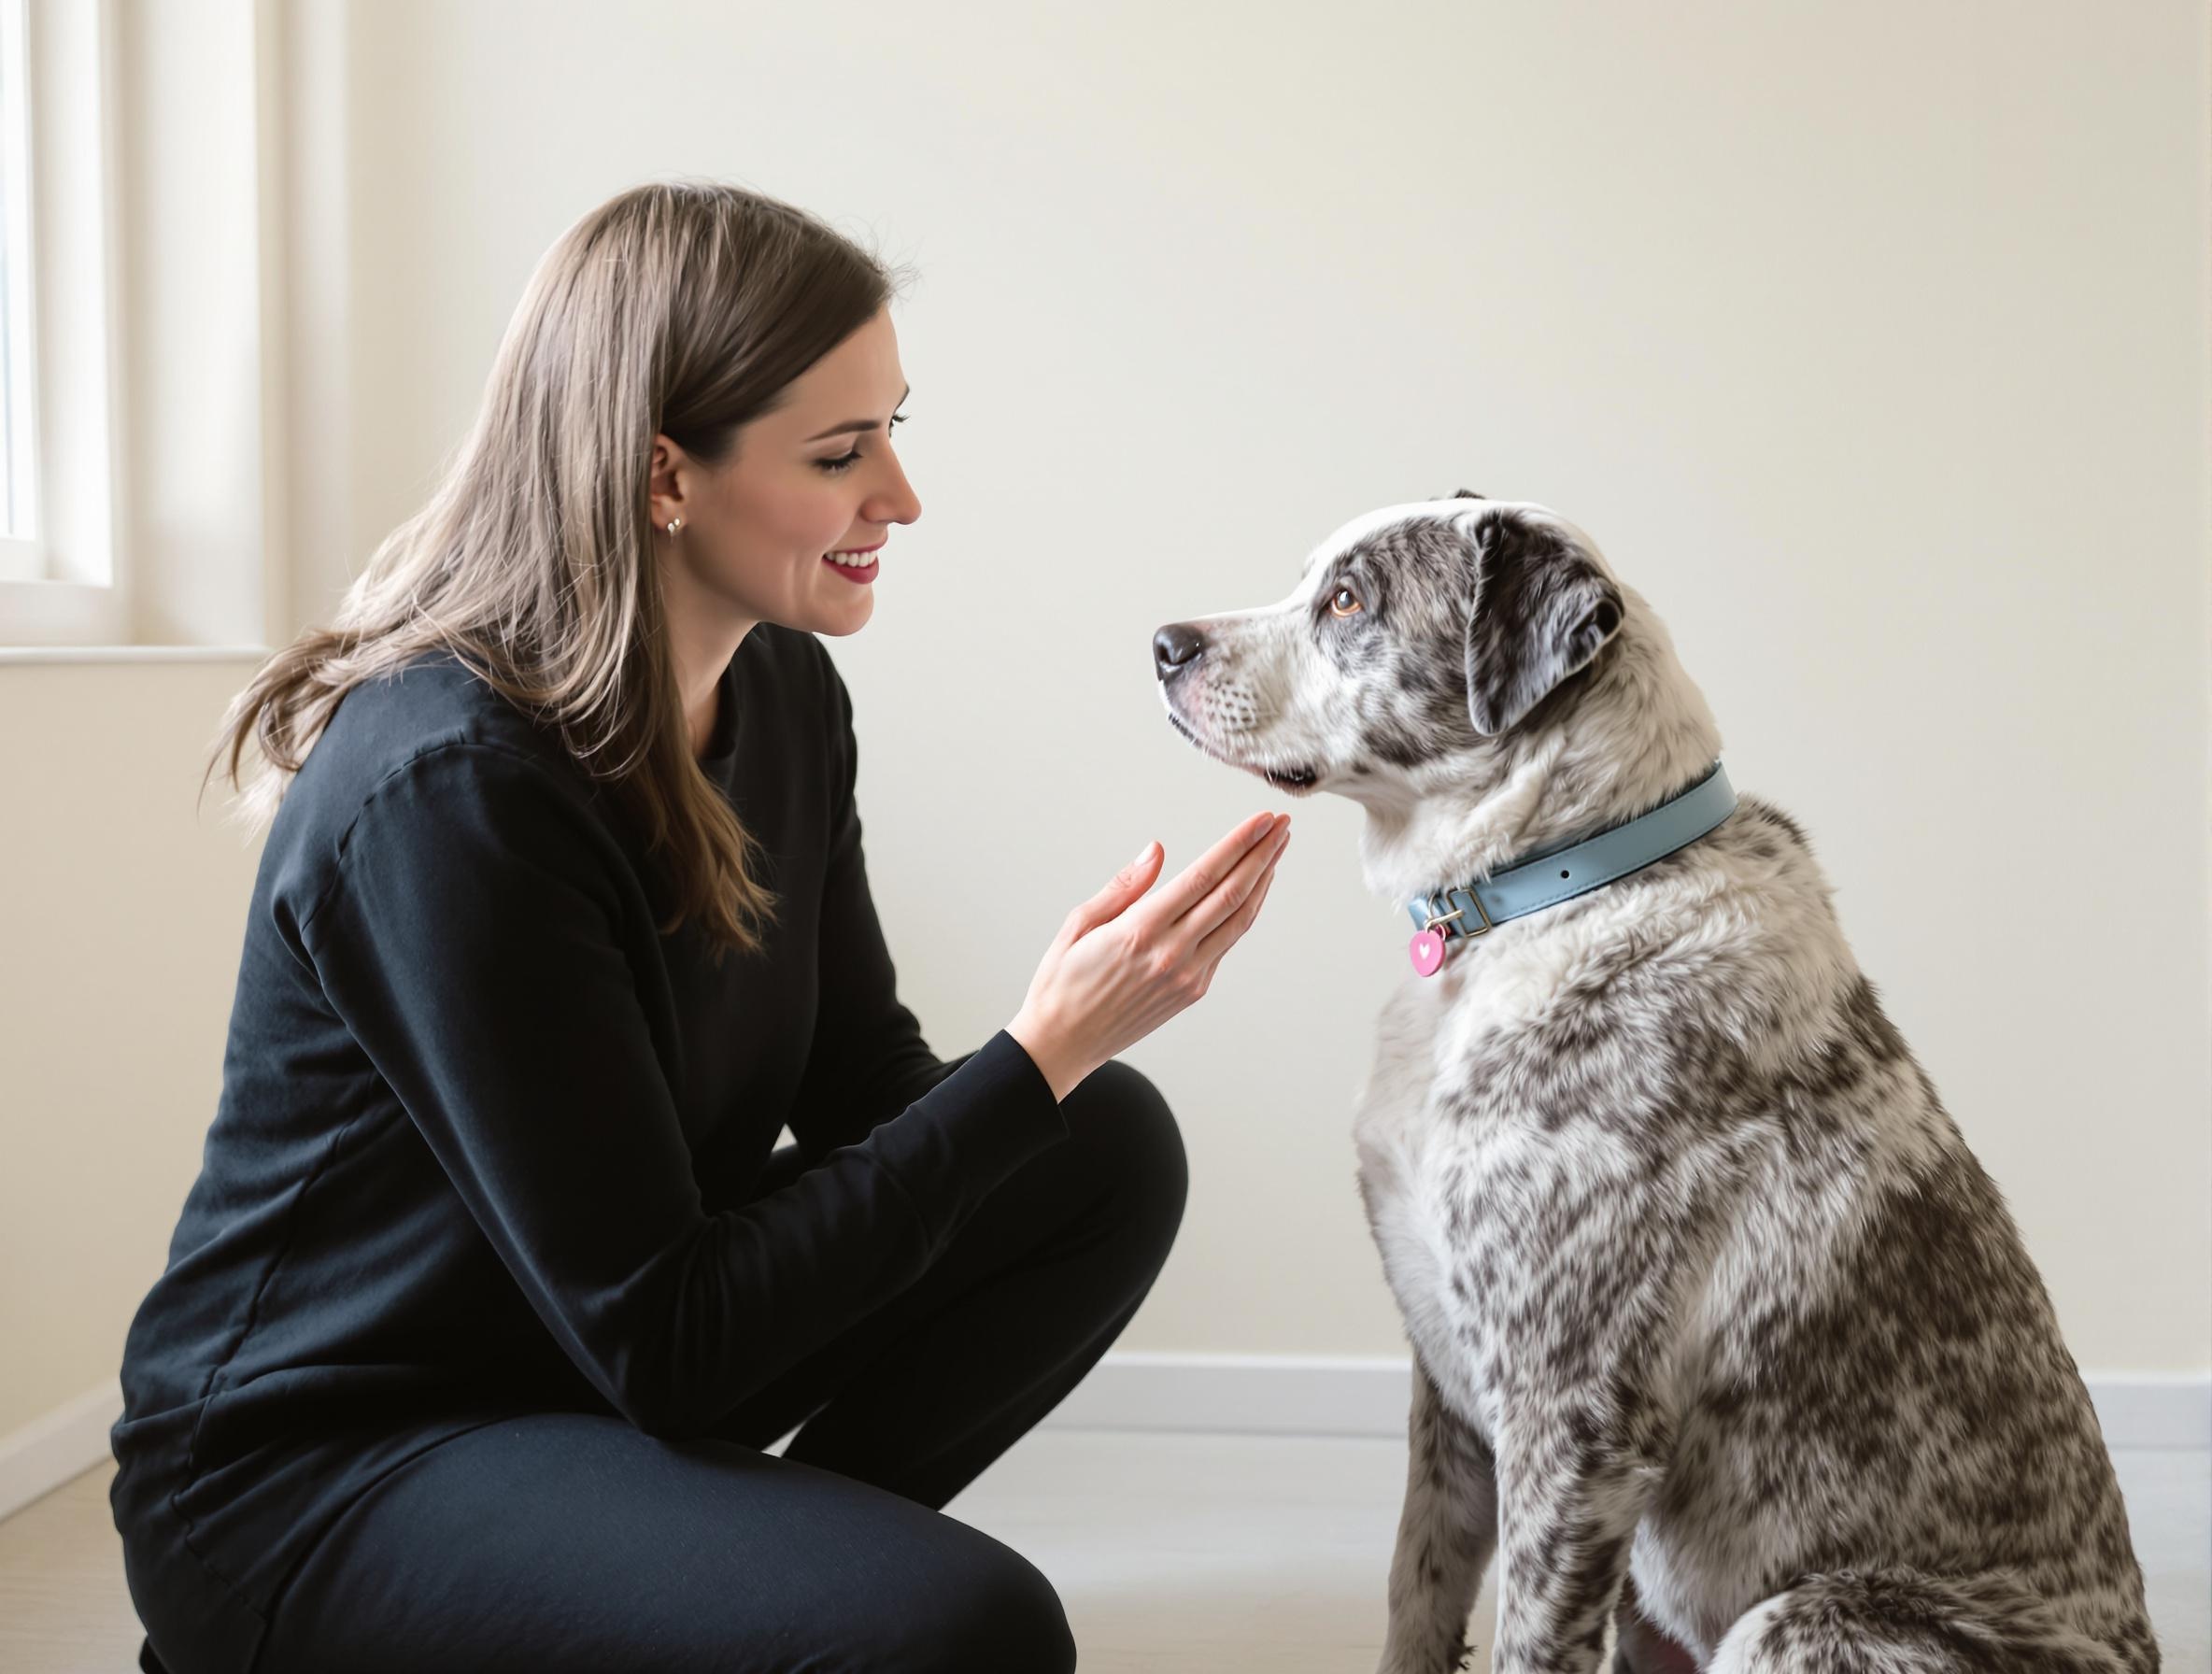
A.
pixel 1721 1333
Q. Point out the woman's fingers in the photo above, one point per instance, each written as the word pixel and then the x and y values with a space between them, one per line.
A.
pixel 1127 885
pixel 1230 931
pixel 1232 892
pixel 1164 910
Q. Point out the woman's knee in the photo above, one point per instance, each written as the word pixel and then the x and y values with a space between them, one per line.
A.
pixel 994 1609
pixel 1131 1139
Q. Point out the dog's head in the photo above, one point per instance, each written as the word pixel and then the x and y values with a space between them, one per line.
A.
pixel 1420 637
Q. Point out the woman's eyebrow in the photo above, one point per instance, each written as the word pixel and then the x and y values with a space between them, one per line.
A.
pixel 853 425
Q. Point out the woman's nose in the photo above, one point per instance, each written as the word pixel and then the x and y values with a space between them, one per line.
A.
pixel 898 504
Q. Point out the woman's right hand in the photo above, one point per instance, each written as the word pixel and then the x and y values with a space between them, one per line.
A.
pixel 1117 971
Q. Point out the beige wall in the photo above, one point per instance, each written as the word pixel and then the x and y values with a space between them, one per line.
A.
pixel 1870 341
pixel 120 916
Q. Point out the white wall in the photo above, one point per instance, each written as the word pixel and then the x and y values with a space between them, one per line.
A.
pixel 1870 340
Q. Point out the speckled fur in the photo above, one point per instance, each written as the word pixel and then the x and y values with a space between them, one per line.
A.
pixel 1705 1289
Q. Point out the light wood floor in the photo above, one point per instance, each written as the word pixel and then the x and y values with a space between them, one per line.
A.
pixel 1174 1553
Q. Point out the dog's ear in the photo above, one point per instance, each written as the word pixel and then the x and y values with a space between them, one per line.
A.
pixel 1542 608
pixel 1468 494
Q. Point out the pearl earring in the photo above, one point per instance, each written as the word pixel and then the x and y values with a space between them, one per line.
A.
pixel 674 524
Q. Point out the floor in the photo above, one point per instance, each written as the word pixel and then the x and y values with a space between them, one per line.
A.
pixel 1174 1553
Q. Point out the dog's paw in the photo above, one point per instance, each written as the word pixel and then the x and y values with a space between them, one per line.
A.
pixel 1461 1661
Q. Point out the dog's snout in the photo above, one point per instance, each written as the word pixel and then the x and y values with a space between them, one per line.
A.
pixel 1175 647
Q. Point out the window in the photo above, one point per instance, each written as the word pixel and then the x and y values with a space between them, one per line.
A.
pixel 19 555
pixel 59 583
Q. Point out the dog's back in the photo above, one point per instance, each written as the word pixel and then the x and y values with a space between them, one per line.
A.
pixel 1870 1377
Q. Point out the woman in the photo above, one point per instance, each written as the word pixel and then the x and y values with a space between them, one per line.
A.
pixel 493 1284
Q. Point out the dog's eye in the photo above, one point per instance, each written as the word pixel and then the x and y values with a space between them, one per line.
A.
pixel 1344 603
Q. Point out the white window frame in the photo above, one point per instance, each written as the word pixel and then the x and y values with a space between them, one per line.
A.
pixel 173 144
pixel 20 555
pixel 66 585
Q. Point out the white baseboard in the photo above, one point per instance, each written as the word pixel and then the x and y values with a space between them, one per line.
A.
pixel 2154 1409
pixel 1253 1395
pixel 1261 1394
pixel 50 1450
pixel 1334 1394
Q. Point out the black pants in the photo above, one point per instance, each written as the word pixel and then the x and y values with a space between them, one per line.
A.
pixel 569 1540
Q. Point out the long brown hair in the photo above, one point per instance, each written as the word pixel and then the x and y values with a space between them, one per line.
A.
pixel 676 307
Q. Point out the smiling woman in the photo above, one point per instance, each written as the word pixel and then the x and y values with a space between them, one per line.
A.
pixel 778 539
pixel 494 1285
pixel 676 319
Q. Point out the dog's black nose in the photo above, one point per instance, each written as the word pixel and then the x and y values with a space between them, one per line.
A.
pixel 1175 645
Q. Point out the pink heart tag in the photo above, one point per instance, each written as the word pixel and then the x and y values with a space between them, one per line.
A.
pixel 1427 950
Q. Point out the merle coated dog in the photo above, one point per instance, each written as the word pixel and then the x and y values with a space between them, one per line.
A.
pixel 1719 1327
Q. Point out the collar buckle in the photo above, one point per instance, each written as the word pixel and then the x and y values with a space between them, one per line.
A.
pixel 1429 922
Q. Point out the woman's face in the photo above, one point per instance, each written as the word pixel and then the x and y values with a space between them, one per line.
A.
pixel 818 475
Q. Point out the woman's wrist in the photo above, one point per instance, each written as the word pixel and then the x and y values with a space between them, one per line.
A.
pixel 1046 1051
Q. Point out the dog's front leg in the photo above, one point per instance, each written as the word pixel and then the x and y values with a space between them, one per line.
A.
pixel 1574 1482
pixel 1445 1535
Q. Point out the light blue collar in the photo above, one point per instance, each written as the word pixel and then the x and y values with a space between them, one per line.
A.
pixel 1548 877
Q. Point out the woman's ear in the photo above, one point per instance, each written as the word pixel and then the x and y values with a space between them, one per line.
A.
pixel 1542 608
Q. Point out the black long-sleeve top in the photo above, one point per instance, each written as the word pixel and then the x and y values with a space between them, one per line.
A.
pixel 487 1140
